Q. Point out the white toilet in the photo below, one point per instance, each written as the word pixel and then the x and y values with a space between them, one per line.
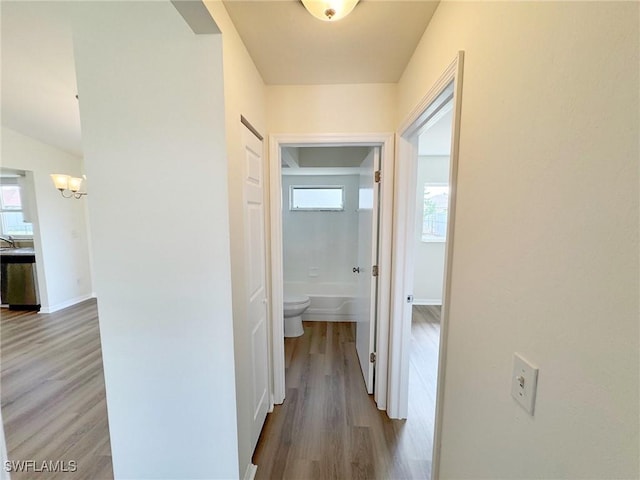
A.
pixel 294 307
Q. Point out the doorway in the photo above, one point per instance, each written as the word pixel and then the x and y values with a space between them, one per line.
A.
pixel 330 242
pixel 424 215
pixel 432 189
pixel 19 279
pixel 283 157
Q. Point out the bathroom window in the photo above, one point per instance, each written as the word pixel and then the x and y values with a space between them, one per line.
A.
pixel 11 216
pixel 435 212
pixel 316 198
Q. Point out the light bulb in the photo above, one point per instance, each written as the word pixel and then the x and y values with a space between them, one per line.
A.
pixel 60 181
pixel 329 10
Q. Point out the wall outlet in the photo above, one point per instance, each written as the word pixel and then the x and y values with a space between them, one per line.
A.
pixel 314 271
pixel 524 382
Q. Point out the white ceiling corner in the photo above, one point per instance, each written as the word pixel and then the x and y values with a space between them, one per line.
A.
pixel 38 73
pixel 435 139
pixel 289 46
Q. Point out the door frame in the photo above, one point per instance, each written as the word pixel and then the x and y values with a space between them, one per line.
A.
pixel 386 143
pixel 403 268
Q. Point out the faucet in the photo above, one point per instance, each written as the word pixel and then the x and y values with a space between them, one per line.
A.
pixel 8 239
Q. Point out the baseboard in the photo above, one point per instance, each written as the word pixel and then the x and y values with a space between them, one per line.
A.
pixel 427 301
pixel 67 303
pixel 250 472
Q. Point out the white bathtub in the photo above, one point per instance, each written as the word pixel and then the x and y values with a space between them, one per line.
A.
pixel 330 302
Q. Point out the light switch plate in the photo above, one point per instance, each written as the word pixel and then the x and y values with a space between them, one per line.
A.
pixel 524 382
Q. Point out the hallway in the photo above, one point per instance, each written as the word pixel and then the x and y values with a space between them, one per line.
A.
pixel 328 427
pixel 53 402
pixel 53 394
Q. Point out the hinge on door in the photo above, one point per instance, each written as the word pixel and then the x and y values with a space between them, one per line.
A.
pixel 377 176
pixel 374 271
pixel 372 357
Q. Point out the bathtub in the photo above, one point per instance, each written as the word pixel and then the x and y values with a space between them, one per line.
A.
pixel 330 302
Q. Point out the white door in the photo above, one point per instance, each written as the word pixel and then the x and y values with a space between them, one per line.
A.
pixel 255 255
pixel 367 259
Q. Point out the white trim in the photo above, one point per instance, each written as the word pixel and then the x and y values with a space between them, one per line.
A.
pixel 250 472
pixel 387 167
pixel 4 474
pixel 434 121
pixel 276 142
pixel 67 303
pixel 446 297
pixel 407 152
pixel 277 276
pixel 410 124
pixel 427 301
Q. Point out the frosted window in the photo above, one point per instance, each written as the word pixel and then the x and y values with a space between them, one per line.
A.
pixel 316 198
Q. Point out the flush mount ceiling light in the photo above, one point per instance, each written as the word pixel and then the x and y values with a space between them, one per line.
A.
pixel 329 10
pixel 67 183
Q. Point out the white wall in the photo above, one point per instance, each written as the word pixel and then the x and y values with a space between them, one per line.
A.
pixel 548 146
pixel 309 109
pixel 243 95
pixel 60 230
pixel 428 256
pixel 320 247
pixel 4 475
pixel 151 105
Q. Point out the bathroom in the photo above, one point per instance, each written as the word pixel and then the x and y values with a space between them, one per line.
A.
pixel 321 198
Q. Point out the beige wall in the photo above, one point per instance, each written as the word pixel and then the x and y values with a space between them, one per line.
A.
pixel 244 95
pixel 546 247
pixel 310 109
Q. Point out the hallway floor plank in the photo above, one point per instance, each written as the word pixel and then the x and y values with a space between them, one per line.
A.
pixel 53 394
pixel 329 427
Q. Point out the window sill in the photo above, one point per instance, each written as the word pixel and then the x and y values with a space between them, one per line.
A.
pixel 433 240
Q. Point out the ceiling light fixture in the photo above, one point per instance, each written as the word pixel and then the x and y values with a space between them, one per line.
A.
pixel 329 10
pixel 67 183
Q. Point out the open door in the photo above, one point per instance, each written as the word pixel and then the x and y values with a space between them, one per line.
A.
pixel 367 268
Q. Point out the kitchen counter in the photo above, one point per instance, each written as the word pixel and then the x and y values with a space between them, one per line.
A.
pixel 17 255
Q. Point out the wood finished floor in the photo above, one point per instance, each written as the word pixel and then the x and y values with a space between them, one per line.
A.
pixel 329 428
pixel 54 408
pixel 53 395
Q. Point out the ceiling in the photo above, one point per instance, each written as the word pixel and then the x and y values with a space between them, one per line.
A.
pixel 38 74
pixel 290 47
pixel 323 157
pixel 435 139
